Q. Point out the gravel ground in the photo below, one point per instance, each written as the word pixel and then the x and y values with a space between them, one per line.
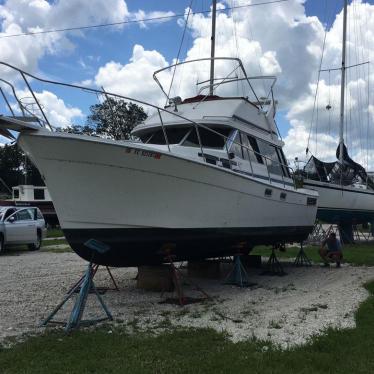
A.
pixel 285 310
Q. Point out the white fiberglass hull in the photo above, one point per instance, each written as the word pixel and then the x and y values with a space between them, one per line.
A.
pixel 346 204
pixel 142 202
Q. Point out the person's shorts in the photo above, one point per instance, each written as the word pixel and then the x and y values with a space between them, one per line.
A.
pixel 336 254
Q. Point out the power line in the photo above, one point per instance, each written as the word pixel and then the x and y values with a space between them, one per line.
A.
pixel 150 19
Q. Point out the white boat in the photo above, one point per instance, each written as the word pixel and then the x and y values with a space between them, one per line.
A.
pixel 207 177
pixel 346 192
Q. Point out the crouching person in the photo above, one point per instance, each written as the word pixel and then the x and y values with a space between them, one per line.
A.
pixel 331 250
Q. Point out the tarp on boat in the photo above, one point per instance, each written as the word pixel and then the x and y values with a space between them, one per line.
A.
pixel 347 173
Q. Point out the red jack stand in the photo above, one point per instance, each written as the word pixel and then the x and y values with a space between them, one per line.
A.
pixel 178 280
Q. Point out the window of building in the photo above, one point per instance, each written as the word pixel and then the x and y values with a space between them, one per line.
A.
pixel 16 193
pixel 39 194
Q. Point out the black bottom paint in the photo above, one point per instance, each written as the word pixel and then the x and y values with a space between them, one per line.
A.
pixel 344 216
pixel 134 247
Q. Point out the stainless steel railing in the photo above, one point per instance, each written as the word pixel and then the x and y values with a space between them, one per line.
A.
pixel 44 122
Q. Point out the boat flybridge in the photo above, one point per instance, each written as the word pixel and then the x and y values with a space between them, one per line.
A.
pixel 203 177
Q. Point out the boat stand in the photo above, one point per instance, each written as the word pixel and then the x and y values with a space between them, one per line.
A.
pixel 95 268
pixel 238 276
pixel 273 266
pixel 179 280
pixel 84 286
pixel 302 259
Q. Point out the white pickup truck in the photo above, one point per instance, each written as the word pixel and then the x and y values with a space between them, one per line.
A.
pixel 21 225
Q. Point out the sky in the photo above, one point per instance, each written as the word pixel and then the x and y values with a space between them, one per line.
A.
pixel 284 39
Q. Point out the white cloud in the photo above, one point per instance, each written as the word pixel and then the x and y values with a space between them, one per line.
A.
pixel 261 48
pixel 25 52
pixel 162 17
pixel 20 16
pixel 59 113
pixel 135 78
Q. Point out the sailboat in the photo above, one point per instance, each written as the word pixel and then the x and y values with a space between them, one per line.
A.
pixel 206 176
pixel 345 189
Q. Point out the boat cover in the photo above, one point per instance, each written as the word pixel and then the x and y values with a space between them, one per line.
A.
pixel 346 174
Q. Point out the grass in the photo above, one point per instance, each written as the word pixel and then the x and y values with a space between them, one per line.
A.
pixel 356 254
pixel 47 245
pixel 112 350
pixel 54 233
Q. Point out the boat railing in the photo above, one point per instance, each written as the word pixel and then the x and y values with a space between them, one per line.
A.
pixel 222 81
pixel 22 106
pixel 42 119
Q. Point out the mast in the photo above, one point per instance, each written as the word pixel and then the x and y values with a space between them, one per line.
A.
pixel 212 47
pixel 342 88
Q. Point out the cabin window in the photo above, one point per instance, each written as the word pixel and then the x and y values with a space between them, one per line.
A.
pixel 272 159
pixel 174 135
pixel 283 160
pixel 39 194
pixel 236 147
pixel 209 139
pixel 250 149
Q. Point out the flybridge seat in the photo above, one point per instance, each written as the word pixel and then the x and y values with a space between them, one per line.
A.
pixel 199 98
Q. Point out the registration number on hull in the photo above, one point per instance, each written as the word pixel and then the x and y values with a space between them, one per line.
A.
pixel 143 153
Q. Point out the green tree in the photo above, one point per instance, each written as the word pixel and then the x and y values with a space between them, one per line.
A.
pixel 78 129
pixel 115 118
pixel 16 168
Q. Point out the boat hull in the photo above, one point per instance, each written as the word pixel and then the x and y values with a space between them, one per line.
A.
pixel 144 204
pixel 343 205
pixel 131 247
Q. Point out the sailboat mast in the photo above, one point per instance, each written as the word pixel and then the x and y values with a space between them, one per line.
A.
pixel 342 88
pixel 212 47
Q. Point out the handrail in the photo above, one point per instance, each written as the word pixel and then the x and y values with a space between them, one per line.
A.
pixel 225 81
pixel 159 109
pixel 14 94
pixel 19 102
pixel 240 65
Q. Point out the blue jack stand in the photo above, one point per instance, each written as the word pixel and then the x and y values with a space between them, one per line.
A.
pixel 302 259
pixel 273 266
pixel 238 275
pixel 85 285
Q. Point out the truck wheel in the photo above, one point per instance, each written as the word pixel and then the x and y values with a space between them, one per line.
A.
pixel 36 246
pixel 2 245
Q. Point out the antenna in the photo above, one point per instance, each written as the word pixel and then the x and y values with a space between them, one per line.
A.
pixel 342 88
pixel 213 45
